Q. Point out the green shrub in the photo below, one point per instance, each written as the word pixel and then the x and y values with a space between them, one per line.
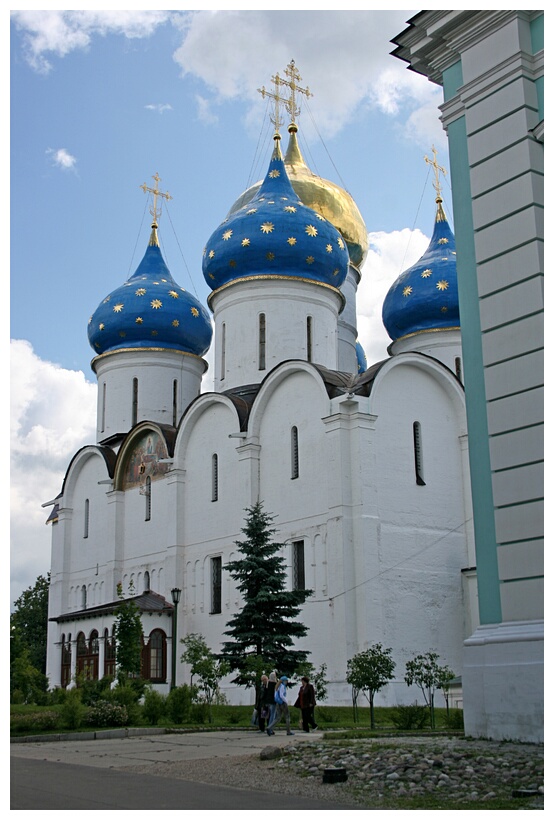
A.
pixel 128 696
pixel 93 691
pixel 413 716
pixel 179 703
pixel 72 710
pixel 325 715
pixel 106 714
pixel 154 707
pixel 34 722
pixel 454 720
pixel 200 713
pixel 234 716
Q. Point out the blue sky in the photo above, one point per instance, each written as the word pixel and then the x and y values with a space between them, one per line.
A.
pixel 101 101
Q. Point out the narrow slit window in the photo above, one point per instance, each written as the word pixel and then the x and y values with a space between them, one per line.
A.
pixel 103 417
pixel 418 454
pixel 294 464
pixel 175 402
pixel 135 402
pixel 298 566
pixel 458 367
pixel 223 342
pixel 309 340
pixel 215 478
pixel 86 522
pixel 261 342
pixel 216 585
pixel 148 499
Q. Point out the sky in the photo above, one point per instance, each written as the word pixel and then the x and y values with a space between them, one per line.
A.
pixel 100 102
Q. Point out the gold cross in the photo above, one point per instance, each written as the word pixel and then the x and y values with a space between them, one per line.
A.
pixel 293 77
pixel 436 167
pixel 156 192
pixel 274 95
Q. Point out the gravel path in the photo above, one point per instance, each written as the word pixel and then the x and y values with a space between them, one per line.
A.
pixel 380 769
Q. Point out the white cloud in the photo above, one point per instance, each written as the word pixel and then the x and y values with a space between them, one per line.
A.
pixel 53 414
pixel 159 107
pixel 61 158
pixel 205 111
pixel 389 255
pixel 58 33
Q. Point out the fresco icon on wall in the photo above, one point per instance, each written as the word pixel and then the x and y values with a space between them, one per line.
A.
pixel 144 461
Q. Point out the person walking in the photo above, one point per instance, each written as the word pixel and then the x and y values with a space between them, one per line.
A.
pixel 271 687
pixel 281 707
pixel 306 703
pixel 264 701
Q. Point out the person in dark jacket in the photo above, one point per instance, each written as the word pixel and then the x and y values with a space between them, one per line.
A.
pixel 264 702
pixel 306 703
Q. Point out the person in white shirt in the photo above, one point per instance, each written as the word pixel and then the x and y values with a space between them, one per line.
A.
pixel 281 707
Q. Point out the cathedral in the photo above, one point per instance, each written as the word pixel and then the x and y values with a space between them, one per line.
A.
pixel 364 466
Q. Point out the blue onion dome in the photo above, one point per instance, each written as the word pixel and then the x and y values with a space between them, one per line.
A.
pixel 150 311
pixel 361 358
pixel 425 297
pixel 275 235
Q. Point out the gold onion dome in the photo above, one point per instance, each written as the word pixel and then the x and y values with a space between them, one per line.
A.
pixel 326 198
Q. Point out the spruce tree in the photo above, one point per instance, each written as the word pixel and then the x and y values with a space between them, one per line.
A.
pixel 263 633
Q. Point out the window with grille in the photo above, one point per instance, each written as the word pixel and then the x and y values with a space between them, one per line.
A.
pixel 261 342
pixel 294 463
pixel 418 454
pixel 215 478
pixel 298 567
pixel 216 585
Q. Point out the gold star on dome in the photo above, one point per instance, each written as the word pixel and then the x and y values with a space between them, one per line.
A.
pixel 289 209
pixel 211 276
pixel 318 216
pixel 340 243
pixel 271 202
pixel 444 310
pixel 426 273
pixel 245 243
pixel 122 334
pixel 140 291
pixel 407 290
pixel 252 211
pixel 118 308
pixel 90 320
pixel 164 280
pixel 274 174
pixel 266 227
pixel 175 323
pixel 291 240
pixel 232 263
pixel 442 285
pixel 195 311
pixel 107 299
pixel 155 283
pixel 329 248
pixel 139 320
pixel 156 304
pixel 227 235
pixel 311 230
pixel 154 333
pixel 101 326
pixel 204 252
pixel 310 260
pixel 335 272
pixel 270 256
pixel 173 294
pixel 443 241
pixel 211 254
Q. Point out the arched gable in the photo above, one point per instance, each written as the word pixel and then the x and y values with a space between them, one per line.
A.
pixel 197 409
pixel 143 455
pixel 77 464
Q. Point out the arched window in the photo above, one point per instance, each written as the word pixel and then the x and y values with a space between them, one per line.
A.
pixel 215 566
pixel 147 581
pixel 66 661
pixel 86 522
pixel 154 657
pixel 418 454
pixel 309 340
pixel 135 402
pixel 147 498
pixel 83 597
pixel 223 329
pixel 103 415
pixel 298 565
pixel 175 402
pixel 215 478
pixel 261 342
pixel 109 655
pixel 294 463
